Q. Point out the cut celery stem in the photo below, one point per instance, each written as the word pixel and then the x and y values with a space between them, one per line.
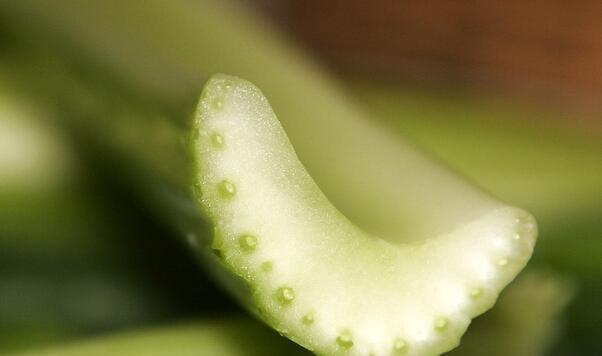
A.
pixel 365 292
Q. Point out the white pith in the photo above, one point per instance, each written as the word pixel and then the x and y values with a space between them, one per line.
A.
pixel 375 292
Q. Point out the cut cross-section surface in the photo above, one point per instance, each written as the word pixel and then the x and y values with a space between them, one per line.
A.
pixel 318 278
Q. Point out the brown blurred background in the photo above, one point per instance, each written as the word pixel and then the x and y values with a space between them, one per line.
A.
pixel 544 50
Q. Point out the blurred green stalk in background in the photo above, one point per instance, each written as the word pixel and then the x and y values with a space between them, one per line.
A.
pixel 76 256
pixel 225 336
pixel 511 330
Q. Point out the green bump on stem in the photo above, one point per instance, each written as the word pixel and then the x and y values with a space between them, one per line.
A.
pixel 441 324
pixel 285 295
pixel 217 104
pixel 217 140
pixel 226 189
pixel 476 293
pixel 267 266
pixel 345 340
pixel 400 346
pixel 248 243
pixel 503 262
pixel 197 189
pixel 308 319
